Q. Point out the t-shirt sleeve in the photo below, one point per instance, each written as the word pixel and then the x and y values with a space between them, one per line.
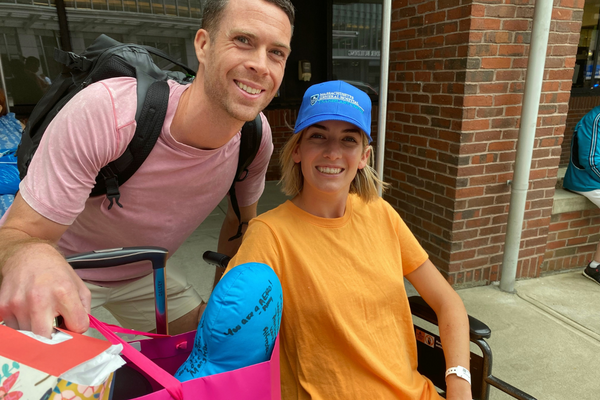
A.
pixel 250 189
pixel 80 140
pixel 412 253
pixel 259 244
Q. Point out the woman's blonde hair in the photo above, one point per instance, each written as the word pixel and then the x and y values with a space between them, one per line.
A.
pixel 365 184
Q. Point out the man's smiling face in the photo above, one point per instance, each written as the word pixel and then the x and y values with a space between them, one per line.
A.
pixel 246 56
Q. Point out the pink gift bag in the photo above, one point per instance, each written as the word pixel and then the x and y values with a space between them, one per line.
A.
pixel 159 357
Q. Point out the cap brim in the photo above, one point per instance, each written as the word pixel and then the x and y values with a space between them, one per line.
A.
pixel 329 117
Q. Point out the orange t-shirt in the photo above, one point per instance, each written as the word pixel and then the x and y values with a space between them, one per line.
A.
pixel 347 331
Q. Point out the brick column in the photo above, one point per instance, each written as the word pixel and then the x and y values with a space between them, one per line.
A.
pixel 457 78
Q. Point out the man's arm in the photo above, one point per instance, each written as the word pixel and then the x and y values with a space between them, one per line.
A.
pixel 36 283
pixel 229 229
pixel 453 323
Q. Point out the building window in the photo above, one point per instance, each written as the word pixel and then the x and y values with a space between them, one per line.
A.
pixel 178 8
pixel 29 33
pixel 27 37
pixel 356 44
pixel 585 80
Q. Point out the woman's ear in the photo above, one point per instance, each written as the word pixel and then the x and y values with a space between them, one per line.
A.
pixel 364 158
pixel 296 156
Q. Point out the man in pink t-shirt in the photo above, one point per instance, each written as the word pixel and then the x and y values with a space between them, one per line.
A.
pixel 242 51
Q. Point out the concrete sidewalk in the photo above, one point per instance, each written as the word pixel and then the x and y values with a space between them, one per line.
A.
pixel 545 338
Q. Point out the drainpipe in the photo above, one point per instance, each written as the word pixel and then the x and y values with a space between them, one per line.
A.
pixel 383 86
pixel 529 113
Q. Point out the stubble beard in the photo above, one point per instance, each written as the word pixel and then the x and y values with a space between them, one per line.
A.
pixel 219 95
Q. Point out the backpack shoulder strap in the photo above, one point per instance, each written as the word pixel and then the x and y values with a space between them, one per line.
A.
pixel 149 126
pixel 249 145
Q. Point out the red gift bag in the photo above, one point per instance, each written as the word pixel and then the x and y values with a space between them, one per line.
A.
pixel 159 357
pixel 34 369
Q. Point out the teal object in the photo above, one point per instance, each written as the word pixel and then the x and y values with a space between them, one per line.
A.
pixel 583 171
pixel 239 325
pixel 9 173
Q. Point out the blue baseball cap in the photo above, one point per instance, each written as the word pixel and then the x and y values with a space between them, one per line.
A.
pixel 335 100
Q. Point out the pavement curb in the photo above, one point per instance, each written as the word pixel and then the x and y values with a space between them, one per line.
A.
pixel 562 318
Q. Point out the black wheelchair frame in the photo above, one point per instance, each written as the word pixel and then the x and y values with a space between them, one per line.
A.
pixel 431 355
pixel 431 359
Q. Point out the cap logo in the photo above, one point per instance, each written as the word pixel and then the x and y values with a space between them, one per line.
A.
pixel 335 97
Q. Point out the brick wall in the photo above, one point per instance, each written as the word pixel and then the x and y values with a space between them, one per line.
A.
pixel 572 240
pixel 578 107
pixel 457 79
pixel 280 121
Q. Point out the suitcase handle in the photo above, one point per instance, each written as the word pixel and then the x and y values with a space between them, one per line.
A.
pixel 127 255
pixel 119 256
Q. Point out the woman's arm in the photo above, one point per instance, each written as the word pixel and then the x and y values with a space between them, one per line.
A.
pixel 453 323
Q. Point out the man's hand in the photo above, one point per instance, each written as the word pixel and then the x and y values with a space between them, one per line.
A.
pixel 39 285
pixel 36 283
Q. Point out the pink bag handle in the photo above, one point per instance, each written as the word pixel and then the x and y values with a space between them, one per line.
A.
pixel 120 329
pixel 165 379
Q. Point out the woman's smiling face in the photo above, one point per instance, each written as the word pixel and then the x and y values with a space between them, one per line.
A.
pixel 330 153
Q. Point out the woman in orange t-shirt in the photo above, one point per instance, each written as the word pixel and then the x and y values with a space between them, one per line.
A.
pixel 341 254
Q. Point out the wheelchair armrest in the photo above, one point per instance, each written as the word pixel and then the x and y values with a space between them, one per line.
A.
pixel 418 306
pixel 216 259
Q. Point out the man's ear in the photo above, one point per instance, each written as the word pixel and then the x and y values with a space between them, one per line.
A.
pixel 201 45
pixel 365 158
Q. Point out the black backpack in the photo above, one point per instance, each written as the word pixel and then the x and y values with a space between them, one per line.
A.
pixel 107 58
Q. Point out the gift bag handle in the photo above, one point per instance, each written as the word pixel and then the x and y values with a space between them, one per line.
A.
pixel 166 380
pixel 120 329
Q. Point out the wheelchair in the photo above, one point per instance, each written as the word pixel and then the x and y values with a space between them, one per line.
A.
pixel 431 361
pixel 433 365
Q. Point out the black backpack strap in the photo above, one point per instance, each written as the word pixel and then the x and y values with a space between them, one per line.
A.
pixel 148 129
pixel 249 145
pixel 72 60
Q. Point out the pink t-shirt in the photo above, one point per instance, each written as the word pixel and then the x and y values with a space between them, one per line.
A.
pixel 174 190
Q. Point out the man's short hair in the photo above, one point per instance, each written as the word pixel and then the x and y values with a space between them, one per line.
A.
pixel 213 11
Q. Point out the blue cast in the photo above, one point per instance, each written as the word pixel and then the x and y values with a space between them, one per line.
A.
pixel 239 325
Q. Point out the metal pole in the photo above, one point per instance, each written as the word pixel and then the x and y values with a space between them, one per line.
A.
pixel 529 113
pixel 383 86
pixel 63 25
pixel 4 86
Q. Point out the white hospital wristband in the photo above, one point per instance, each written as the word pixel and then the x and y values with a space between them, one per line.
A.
pixel 461 372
